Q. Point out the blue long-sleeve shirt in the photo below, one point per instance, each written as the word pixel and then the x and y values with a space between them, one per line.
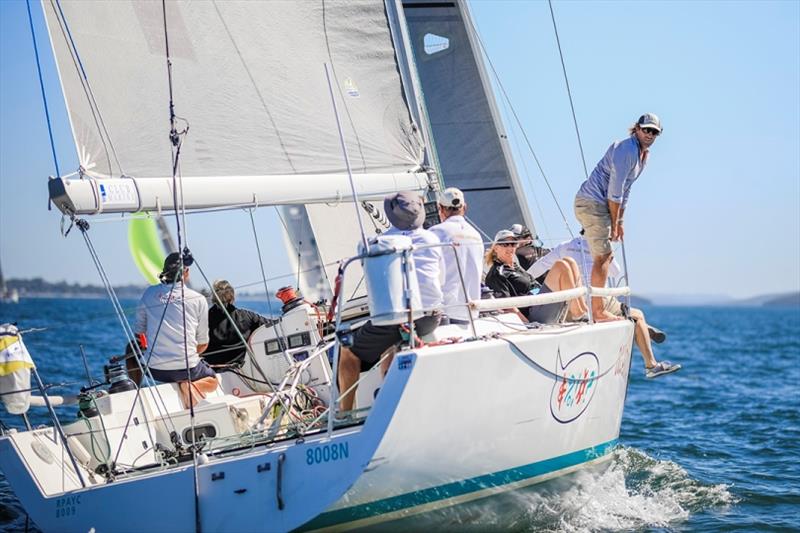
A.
pixel 613 176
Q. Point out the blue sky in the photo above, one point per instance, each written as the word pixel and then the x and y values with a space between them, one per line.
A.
pixel 717 211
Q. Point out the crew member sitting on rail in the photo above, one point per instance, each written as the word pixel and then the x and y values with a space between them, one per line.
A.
pixel 507 279
pixel 406 212
pixel 160 316
pixel 225 344
pixel 578 250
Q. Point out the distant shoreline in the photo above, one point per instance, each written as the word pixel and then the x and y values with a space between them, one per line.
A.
pixel 39 288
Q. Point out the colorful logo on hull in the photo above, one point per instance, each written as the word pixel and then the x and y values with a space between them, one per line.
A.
pixel 575 386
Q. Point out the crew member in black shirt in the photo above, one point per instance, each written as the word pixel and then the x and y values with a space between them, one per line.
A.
pixel 225 346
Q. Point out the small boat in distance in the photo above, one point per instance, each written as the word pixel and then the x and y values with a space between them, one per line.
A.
pixel 7 296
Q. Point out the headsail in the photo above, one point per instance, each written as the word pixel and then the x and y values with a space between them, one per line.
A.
pixel 471 144
pixel 146 248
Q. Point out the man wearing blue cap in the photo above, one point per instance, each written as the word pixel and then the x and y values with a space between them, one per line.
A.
pixel 601 200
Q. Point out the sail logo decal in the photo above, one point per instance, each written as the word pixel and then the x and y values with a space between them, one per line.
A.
pixel 574 386
pixel 351 88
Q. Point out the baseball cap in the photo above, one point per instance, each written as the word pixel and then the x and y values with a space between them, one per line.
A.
pixel 504 235
pixel 649 120
pixel 451 197
pixel 520 231
pixel 404 210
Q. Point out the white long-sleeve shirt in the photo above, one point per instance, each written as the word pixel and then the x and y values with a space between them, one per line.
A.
pixel 578 249
pixel 469 254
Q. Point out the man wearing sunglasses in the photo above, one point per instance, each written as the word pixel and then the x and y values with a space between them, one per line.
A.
pixel 601 200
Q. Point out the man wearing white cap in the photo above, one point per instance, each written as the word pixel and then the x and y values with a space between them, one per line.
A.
pixel 466 251
pixel 601 200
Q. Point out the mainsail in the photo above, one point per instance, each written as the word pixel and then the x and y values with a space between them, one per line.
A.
pixel 249 86
pixel 248 80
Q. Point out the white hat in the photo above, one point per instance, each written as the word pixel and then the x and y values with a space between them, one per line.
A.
pixel 504 235
pixel 451 197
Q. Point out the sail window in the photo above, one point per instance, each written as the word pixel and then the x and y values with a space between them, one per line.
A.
pixel 433 44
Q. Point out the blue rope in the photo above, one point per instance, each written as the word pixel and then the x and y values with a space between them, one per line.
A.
pixel 41 85
pixel 71 40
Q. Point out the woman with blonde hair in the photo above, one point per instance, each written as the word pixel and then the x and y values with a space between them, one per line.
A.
pixel 506 278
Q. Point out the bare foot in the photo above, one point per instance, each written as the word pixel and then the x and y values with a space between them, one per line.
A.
pixel 605 316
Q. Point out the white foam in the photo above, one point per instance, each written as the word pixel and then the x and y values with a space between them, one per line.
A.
pixel 634 491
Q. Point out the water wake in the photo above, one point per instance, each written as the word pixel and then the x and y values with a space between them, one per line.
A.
pixel 635 491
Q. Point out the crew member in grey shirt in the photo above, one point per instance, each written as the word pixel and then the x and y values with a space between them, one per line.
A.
pixel 601 200
pixel 165 338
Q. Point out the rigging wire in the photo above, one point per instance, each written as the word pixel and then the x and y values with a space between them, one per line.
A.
pixel 519 125
pixel 175 138
pixel 119 311
pixel 248 349
pixel 528 178
pixel 41 86
pixel 569 92
pixel 264 276
pixel 87 89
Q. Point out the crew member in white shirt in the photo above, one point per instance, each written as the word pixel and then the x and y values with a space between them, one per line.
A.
pixel 466 251
pixel 406 212
pixel 161 314
pixel 578 249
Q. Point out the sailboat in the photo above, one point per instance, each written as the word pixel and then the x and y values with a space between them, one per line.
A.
pixel 7 296
pixel 320 108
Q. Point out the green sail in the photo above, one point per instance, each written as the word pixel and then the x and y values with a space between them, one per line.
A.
pixel 145 247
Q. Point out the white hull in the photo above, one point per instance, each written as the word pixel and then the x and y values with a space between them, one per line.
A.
pixel 481 418
pixel 471 419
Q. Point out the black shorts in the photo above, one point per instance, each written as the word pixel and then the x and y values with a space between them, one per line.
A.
pixel 202 370
pixel 370 341
pixel 547 313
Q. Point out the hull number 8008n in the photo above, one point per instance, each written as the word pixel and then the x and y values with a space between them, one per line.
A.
pixel 327 453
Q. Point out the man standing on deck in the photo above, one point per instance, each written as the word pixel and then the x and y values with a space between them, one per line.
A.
pixel 466 252
pixel 601 200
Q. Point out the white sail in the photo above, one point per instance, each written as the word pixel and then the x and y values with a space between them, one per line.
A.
pixel 248 81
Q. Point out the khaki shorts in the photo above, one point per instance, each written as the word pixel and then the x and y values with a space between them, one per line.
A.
pixel 613 306
pixel 596 221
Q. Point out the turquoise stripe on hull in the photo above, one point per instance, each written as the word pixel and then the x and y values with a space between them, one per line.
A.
pixel 460 488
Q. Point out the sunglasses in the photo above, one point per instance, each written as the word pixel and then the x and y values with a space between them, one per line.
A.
pixel 506 243
pixel 651 131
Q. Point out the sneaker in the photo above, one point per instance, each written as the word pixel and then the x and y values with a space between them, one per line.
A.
pixel 664 367
pixel 656 335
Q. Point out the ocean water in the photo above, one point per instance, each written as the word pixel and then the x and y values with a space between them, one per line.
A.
pixel 714 447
